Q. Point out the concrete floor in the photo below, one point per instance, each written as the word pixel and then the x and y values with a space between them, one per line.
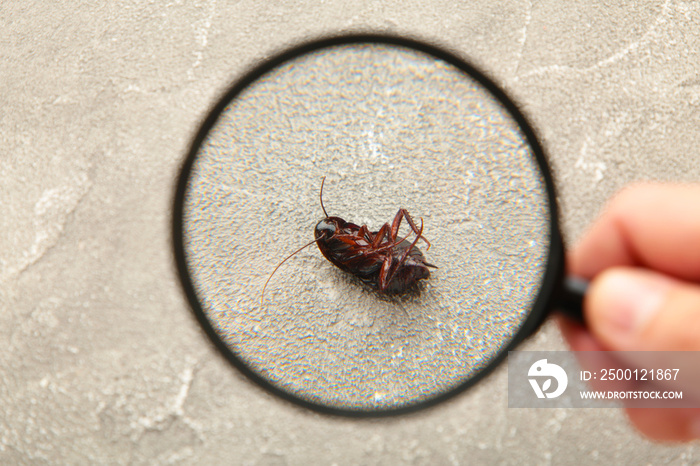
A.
pixel 104 361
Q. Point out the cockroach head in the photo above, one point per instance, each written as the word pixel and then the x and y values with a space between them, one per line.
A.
pixel 325 228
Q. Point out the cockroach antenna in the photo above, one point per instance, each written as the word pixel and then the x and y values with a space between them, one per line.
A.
pixel 262 293
pixel 320 197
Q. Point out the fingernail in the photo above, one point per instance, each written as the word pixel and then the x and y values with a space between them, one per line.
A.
pixel 628 299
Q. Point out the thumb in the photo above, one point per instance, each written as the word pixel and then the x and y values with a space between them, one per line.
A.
pixel 630 309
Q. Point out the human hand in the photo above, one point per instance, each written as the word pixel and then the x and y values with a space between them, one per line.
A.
pixel 643 256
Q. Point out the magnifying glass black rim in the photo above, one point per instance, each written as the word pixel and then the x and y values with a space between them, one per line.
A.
pixel 553 274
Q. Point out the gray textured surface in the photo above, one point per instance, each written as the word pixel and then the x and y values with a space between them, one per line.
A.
pixel 103 361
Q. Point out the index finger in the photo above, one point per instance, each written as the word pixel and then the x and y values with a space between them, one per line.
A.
pixel 650 225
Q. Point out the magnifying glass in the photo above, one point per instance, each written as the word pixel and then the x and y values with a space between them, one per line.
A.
pixel 390 123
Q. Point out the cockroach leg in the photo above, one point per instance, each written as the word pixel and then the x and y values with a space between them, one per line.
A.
pixel 397 223
pixel 406 253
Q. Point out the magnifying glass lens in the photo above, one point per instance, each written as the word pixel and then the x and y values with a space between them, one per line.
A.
pixel 390 124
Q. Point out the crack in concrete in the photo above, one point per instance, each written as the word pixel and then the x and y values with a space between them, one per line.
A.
pixel 201 34
pixel 186 377
pixel 523 39
pixel 613 58
pixel 176 409
pixel 50 231
pixel 586 165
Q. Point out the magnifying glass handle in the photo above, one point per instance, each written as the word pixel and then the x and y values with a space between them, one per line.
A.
pixel 571 298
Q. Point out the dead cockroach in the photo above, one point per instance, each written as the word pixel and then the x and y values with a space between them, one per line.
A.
pixel 378 258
